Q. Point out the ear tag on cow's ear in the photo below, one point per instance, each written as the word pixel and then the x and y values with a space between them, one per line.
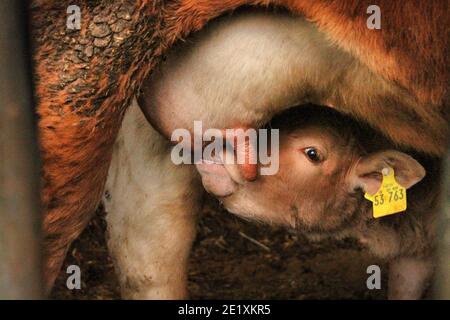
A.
pixel 390 198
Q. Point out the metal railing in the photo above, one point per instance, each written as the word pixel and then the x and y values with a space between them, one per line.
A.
pixel 20 252
pixel 442 278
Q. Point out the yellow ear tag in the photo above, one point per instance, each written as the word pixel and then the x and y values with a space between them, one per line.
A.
pixel 390 199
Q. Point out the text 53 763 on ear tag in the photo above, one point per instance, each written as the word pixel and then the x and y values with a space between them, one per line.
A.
pixel 390 198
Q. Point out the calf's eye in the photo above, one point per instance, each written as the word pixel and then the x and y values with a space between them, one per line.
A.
pixel 312 154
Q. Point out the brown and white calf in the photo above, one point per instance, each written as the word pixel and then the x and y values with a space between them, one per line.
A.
pixel 326 164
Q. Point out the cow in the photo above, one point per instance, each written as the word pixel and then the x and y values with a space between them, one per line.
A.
pixel 193 85
pixel 85 79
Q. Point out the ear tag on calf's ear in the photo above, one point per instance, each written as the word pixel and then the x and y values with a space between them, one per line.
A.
pixel 390 198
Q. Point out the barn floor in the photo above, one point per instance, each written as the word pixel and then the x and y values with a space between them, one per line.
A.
pixel 225 264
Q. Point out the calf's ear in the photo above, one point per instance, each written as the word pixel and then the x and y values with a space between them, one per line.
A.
pixel 368 171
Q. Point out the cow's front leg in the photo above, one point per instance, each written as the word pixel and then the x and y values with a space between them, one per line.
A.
pixel 408 277
pixel 151 207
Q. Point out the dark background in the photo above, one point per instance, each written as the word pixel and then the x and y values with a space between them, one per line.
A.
pixel 226 265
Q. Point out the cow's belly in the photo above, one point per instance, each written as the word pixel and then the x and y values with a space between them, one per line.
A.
pixel 241 70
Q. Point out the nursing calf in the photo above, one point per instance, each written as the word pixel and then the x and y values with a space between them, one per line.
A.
pixel 326 164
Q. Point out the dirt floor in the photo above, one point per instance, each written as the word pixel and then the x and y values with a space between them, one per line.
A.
pixel 235 259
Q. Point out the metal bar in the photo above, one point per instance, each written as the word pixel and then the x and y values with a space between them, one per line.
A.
pixel 20 251
pixel 442 284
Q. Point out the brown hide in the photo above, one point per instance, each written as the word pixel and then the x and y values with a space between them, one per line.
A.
pixel 84 81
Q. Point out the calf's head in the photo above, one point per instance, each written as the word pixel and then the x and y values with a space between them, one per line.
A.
pixel 324 171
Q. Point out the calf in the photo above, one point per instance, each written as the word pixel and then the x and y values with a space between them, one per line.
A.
pixel 327 163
